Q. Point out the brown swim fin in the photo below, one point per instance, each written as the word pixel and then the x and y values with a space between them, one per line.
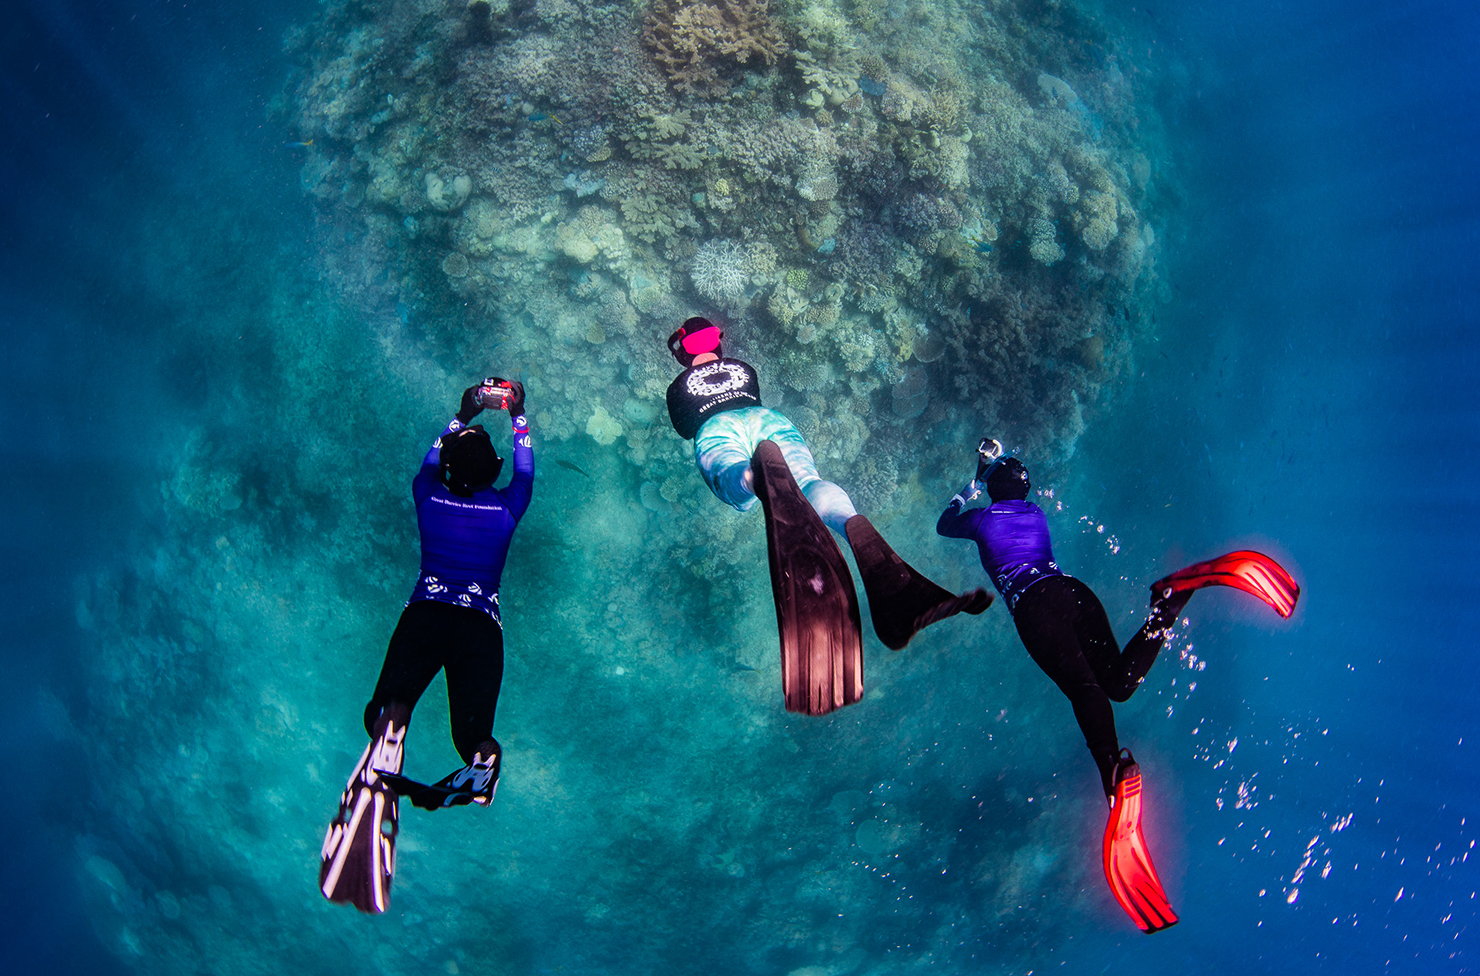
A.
pixel 816 605
pixel 901 600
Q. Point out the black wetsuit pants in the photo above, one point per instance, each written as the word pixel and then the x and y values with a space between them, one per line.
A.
pixel 469 644
pixel 1064 627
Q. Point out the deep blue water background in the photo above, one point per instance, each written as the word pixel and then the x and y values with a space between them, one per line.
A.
pixel 1313 391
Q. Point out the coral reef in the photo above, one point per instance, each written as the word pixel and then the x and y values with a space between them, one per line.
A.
pixel 698 43
pixel 603 427
pixel 721 272
pixel 911 394
pixel 921 222
pixel 910 217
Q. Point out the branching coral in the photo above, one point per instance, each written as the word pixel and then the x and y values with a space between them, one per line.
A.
pixel 865 257
pixel 680 155
pixel 721 272
pixel 653 204
pixel 648 139
pixel 835 86
pixel 666 126
pixel 922 214
pixel 699 43
pixel 649 219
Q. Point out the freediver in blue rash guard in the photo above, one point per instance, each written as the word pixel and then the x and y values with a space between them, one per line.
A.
pixel 1065 630
pixel 451 623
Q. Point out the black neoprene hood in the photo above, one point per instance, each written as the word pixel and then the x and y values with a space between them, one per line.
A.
pixel 1008 481
pixel 468 461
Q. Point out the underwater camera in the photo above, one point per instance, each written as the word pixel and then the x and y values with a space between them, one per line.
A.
pixel 493 393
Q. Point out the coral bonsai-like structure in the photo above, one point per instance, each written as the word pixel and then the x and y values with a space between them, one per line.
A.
pixel 838 180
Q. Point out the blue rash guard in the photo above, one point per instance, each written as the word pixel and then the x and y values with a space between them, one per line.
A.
pixel 1013 539
pixel 465 541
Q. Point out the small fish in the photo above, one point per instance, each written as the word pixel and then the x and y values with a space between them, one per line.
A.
pixel 298 145
pixel 541 116
pixel 572 467
pixel 738 668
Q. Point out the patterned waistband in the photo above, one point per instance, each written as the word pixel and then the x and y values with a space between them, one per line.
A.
pixel 1014 584
pixel 457 593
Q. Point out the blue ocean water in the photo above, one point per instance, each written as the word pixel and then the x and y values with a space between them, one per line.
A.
pixel 197 605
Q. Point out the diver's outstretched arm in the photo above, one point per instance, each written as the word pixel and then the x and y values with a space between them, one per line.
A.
pixel 957 524
pixel 519 491
pixel 954 522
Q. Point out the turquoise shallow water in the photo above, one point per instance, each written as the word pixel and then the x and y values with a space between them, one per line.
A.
pixel 215 405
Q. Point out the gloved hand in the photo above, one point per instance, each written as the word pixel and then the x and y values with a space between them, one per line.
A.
pixel 514 401
pixel 967 495
pixel 471 406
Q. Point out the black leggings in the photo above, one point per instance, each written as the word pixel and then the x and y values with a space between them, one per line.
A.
pixel 1064 627
pixel 469 644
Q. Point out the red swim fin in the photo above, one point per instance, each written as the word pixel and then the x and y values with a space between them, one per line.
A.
pixel 1247 570
pixel 1128 865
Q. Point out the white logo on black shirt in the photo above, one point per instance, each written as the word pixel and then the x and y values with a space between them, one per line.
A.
pixel 713 379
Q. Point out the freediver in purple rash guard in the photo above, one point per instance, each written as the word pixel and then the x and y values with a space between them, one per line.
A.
pixel 1062 623
pixel 1066 632
pixel 451 622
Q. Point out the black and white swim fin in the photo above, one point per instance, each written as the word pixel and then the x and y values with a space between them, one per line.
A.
pixel 359 855
pixel 816 605
pixel 477 782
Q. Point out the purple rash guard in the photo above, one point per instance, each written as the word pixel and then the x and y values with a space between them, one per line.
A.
pixel 1013 539
pixel 465 541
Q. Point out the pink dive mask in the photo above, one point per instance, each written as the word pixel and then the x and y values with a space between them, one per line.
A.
pixel 705 340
